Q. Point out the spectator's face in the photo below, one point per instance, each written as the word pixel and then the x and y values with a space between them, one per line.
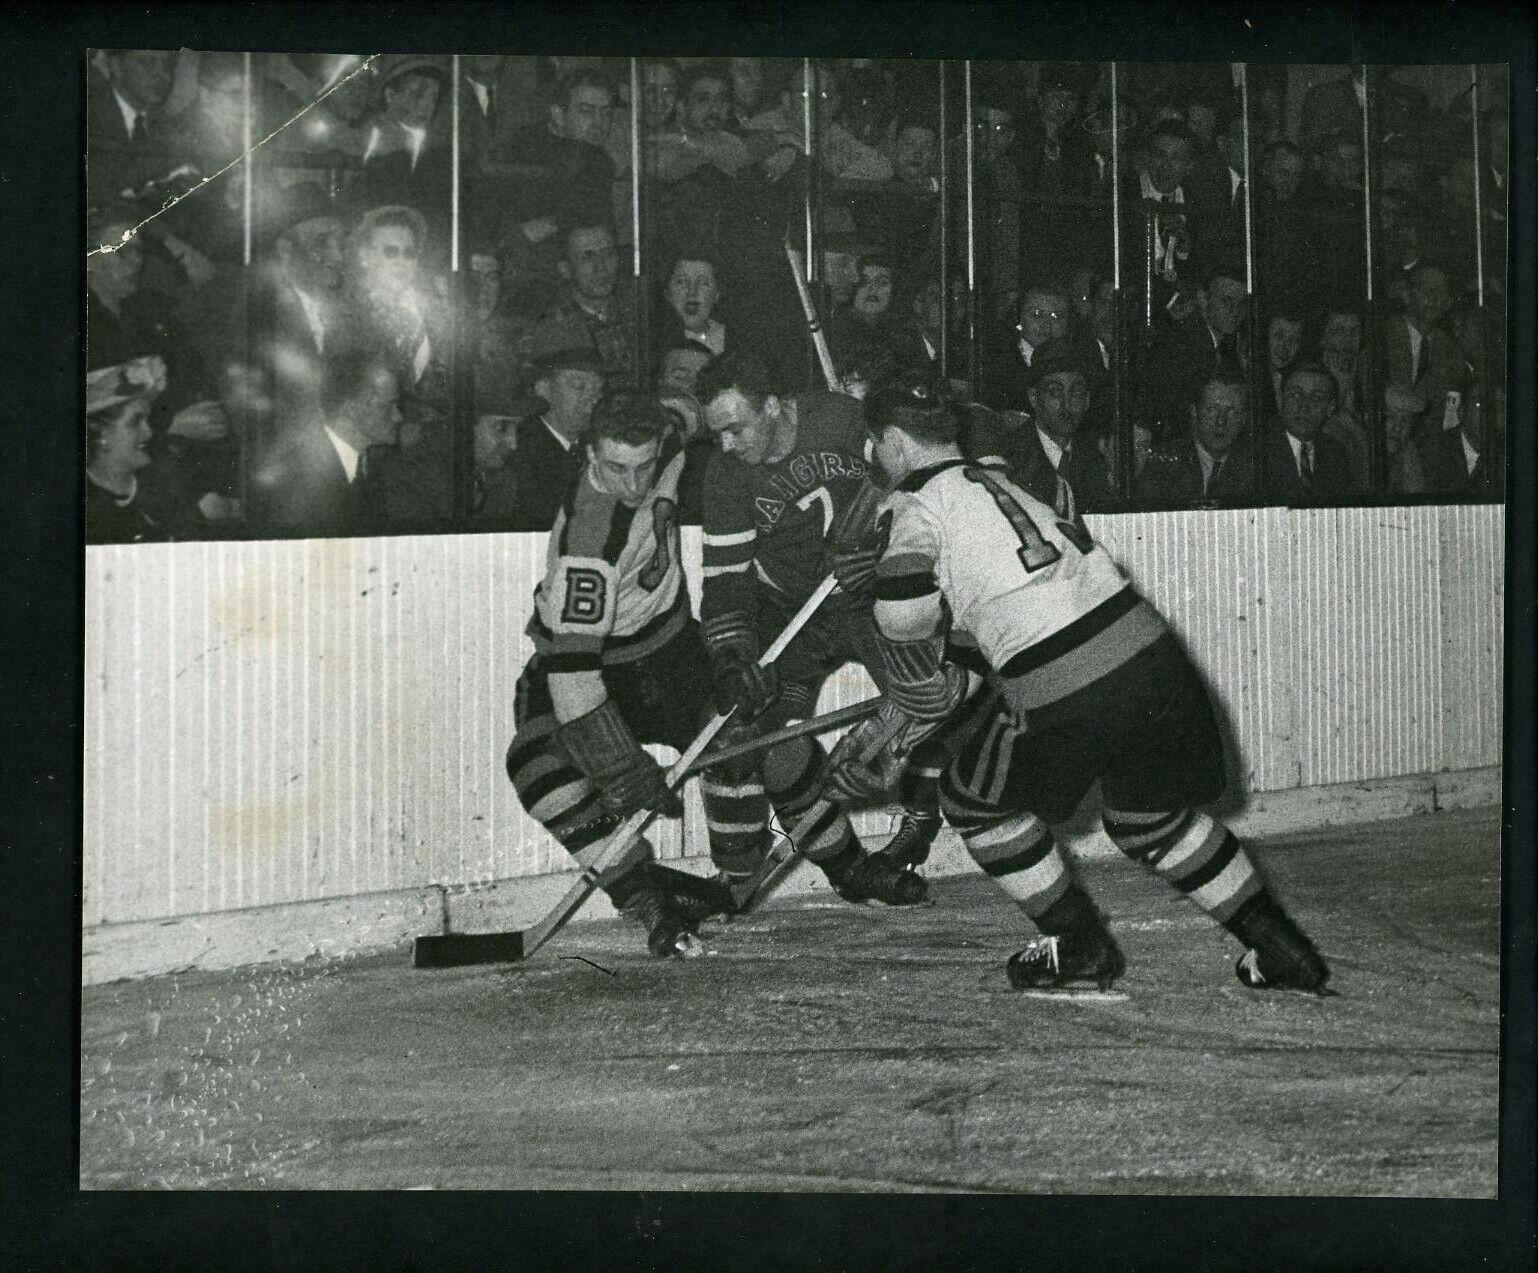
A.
pixel 484 67
pixel 928 310
pixel 313 255
pixel 1220 417
pixel 143 76
pixel 1284 342
pixel 998 129
pixel 828 99
pixel 659 94
pixel 917 155
pixel 586 115
pixel 1402 414
pixel 412 100
pixel 222 98
pixel 1202 122
pixel 1428 298
pixel 1059 107
pixel 1083 298
pixel 740 428
pixel 592 264
pixel 1059 403
pixel 495 438
pixel 1342 166
pixel 681 368
pixel 1043 317
pixel 1104 318
pixel 115 273
pixel 708 104
pixel 1284 173
pixel 376 414
pixel 122 444
pixel 692 293
pixel 747 82
pixel 389 259
pixel 1169 161
pixel 486 273
pixel 572 393
pixel 1223 303
pixel 627 472
pixel 873 293
pixel 1307 398
pixel 841 272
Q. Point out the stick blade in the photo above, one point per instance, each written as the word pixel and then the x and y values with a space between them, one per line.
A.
pixel 459 950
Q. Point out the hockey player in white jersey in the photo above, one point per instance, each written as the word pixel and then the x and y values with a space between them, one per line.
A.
pixel 1083 681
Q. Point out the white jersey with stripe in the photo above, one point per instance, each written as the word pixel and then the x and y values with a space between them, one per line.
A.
pixel 613 587
pixel 1010 572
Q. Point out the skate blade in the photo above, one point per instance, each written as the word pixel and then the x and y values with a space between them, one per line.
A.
pixel 1088 994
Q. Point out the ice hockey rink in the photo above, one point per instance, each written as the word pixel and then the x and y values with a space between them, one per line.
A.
pixel 823 1047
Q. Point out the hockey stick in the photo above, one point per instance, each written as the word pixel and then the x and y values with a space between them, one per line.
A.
pixel 799 729
pixel 756 888
pixel 447 950
pixel 809 309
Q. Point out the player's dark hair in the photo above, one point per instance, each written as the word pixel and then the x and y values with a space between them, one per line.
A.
pixel 912 400
pixel 631 416
pixel 745 370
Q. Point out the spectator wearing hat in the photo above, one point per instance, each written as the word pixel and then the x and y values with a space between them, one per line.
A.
pixel 416 484
pixel 405 160
pixel 1212 459
pixel 1184 354
pixel 118 505
pixel 315 477
pixel 1054 457
pixel 1056 150
pixel 548 453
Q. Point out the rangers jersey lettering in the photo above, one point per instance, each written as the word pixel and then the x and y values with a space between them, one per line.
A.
pixel 1035 594
pixel 766 525
pixel 613 587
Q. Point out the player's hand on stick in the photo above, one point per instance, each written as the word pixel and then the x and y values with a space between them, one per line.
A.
pixel 740 683
pixel 643 785
pixel 862 767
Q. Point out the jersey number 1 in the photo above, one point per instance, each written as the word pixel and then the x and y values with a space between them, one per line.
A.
pixel 1035 552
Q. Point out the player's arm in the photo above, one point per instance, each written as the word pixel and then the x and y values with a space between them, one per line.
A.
pixel 592 731
pixel 729 593
pixel 923 689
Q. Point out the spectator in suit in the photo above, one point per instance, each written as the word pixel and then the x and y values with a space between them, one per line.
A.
pixel 592 308
pixel 1284 344
pixel 1164 168
pixel 1054 458
pixel 1212 460
pixel 1055 151
pixel 1340 350
pixel 1043 316
pixel 315 477
pixel 1303 464
pixel 1404 412
pixel 404 160
pixel 548 454
pixel 1420 352
pixel 1184 354
pixel 126 93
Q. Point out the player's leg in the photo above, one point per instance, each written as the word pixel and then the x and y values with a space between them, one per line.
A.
pixel 564 801
pixel 1174 763
pixel 985 795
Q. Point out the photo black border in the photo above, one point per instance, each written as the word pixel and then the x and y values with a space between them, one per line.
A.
pixel 46 1222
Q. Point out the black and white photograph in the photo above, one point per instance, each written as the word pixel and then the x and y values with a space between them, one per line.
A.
pixel 798 624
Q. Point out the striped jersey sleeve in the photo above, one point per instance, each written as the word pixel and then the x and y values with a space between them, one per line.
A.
pixel 908 604
pixel 728 600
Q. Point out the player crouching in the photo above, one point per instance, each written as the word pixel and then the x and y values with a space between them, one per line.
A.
pixel 1085 682
pixel 616 663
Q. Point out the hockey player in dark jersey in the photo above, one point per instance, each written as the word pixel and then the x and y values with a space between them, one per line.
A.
pixel 617 663
pixel 1085 682
pixel 786 498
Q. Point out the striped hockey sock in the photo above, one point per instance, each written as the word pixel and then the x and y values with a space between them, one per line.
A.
pixel 1194 852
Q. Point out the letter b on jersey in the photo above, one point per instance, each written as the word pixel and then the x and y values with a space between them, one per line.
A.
pixel 584 596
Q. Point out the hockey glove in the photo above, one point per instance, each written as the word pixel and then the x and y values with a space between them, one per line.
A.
pixel 601 745
pixel 857 541
pixel 862 767
pixel 741 683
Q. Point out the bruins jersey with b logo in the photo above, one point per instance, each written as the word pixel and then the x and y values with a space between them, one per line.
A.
pixel 613 588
